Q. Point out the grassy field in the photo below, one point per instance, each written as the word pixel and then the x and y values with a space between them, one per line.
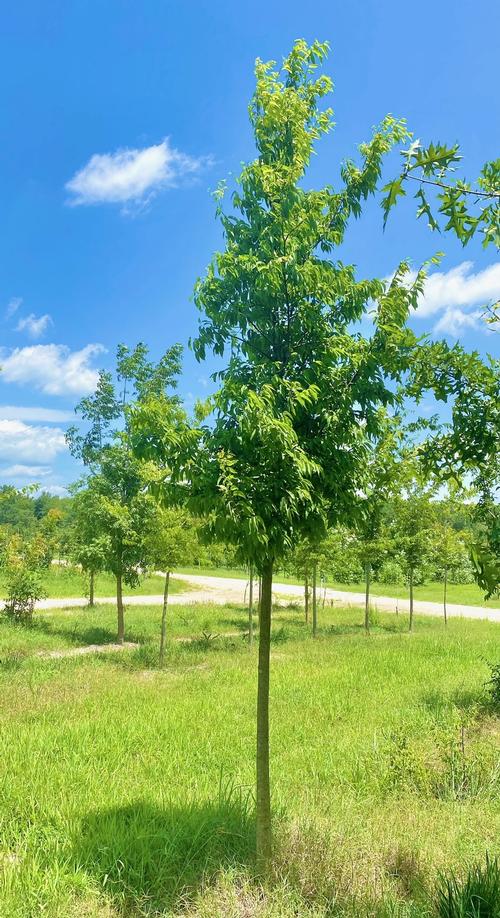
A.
pixel 467 593
pixel 61 582
pixel 125 790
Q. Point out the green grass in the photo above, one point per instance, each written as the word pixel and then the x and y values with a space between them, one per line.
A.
pixel 467 594
pixel 64 582
pixel 125 790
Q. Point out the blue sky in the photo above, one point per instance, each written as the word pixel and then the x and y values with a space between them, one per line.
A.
pixel 118 120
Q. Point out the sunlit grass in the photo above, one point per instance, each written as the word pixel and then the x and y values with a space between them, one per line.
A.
pixel 125 790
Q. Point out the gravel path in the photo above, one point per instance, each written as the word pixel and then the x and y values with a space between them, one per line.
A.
pixel 223 590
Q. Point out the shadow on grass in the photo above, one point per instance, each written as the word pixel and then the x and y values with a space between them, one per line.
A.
pixel 150 859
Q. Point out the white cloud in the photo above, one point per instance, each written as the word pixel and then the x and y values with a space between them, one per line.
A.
pixel 459 287
pixel 131 175
pixel 12 306
pixel 26 443
pixel 33 325
pixel 27 413
pixel 52 368
pixel 455 322
pixel 25 471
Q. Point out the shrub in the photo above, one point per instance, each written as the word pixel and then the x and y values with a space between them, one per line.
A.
pixel 476 896
pixel 24 588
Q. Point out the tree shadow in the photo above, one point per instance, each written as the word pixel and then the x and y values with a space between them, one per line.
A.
pixel 80 633
pixel 150 859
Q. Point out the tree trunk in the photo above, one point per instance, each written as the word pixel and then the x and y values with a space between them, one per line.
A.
pixel 91 588
pixel 260 597
pixel 306 597
pixel 250 609
pixel 368 573
pixel 445 596
pixel 315 600
pixel 263 803
pixel 411 599
pixel 119 608
pixel 163 634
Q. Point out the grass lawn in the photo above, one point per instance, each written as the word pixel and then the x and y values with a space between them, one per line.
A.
pixel 61 582
pixel 467 594
pixel 125 790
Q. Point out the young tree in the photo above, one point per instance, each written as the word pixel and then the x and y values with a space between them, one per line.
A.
pixel 25 560
pixel 388 468
pixel 300 396
pixel 448 549
pixel 118 504
pixel 170 543
pixel 88 548
pixel 412 534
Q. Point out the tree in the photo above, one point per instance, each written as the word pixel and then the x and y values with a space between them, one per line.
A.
pixel 118 504
pixel 388 468
pixel 449 550
pixel 88 547
pixel 299 398
pixel 412 533
pixel 170 543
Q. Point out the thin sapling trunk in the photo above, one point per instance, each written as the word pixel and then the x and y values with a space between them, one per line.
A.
pixel 306 597
pixel 250 609
pixel 163 633
pixel 411 599
pixel 263 801
pixel 315 599
pixel 368 574
pixel 91 588
pixel 445 596
pixel 119 608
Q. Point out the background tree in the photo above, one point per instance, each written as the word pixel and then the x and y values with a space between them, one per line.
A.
pixel 388 468
pixel 119 497
pixel 88 547
pixel 171 542
pixel 449 551
pixel 413 534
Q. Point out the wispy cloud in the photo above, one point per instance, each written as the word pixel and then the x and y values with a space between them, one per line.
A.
pixel 25 471
pixel 34 413
pixel 34 325
pixel 12 306
pixel 52 368
pixel 26 443
pixel 131 175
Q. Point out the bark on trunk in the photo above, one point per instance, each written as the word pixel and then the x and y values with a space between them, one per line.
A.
pixel 263 801
pixel 250 609
pixel 163 633
pixel 368 573
pixel 119 607
pixel 411 600
pixel 445 596
pixel 315 600
pixel 306 597
pixel 91 588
